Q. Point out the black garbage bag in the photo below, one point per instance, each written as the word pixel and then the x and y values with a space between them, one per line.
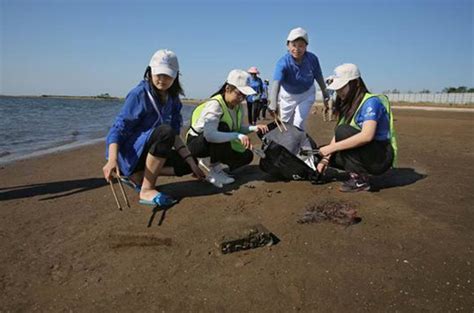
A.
pixel 285 151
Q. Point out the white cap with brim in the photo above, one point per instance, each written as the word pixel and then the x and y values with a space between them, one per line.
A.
pixel 342 75
pixel 164 62
pixel 298 33
pixel 239 79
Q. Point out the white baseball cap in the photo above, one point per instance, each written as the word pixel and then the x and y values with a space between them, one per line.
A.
pixel 342 75
pixel 239 79
pixel 164 62
pixel 296 33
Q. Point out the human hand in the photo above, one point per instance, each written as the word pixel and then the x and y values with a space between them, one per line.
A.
pixel 109 168
pixel 326 150
pixel 322 166
pixel 245 140
pixel 197 172
pixel 262 128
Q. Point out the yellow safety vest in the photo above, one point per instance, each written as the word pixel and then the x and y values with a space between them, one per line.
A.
pixel 386 104
pixel 226 118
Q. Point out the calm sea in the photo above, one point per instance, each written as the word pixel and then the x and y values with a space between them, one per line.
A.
pixel 34 126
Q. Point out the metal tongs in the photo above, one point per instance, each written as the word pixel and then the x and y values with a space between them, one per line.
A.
pixel 279 123
pixel 118 177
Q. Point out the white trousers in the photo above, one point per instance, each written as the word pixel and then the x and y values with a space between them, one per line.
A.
pixel 295 108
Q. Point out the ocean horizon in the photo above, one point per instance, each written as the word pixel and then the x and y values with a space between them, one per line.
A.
pixel 34 126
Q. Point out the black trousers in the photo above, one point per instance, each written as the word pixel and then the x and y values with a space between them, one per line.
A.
pixel 373 158
pixel 263 107
pixel 219 152
pixel 160 144
pixel 253 109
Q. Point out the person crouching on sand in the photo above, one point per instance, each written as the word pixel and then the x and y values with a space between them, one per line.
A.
pixel 365 141
pixel 217 132
pixel 144 140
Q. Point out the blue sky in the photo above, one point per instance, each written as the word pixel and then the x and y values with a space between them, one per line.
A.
pixel 91 47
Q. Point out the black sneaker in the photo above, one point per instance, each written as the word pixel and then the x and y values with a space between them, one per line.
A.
pixel 355 183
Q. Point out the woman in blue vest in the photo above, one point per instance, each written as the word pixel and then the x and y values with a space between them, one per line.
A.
pixel 364 143
pixel 144 140
pixel 217 132
pixel 293 93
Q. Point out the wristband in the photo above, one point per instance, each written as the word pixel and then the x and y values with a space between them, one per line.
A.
pixel 240 136
pixel 253 128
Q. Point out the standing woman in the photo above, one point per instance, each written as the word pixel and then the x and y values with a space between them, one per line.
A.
pixel 217 132
pixel 144 141
pixel 365 142
pixel 254 101
pixel 293 91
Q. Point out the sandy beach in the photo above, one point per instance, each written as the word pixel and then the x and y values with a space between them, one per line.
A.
pixel 65 247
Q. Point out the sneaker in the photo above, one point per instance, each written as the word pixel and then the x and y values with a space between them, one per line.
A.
pixel 214 179
pixel 222 176
pixel 355 183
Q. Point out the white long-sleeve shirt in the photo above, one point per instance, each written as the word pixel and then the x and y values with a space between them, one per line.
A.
pixel 209 120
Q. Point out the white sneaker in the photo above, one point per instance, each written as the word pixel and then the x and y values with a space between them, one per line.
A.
pixel 222 176
pixel 206 164
pixel 214 179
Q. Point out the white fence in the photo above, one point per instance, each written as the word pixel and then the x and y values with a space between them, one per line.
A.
pixel 455 98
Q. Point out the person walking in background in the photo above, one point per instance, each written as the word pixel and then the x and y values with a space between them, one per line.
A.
pixel 365 141
pixel 144 140
pixel 217 132
pixel 264 100
pixel 328 111
pixel 253 101
pixel 293 92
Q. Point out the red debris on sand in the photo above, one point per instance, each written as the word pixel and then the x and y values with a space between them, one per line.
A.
pixel 335 212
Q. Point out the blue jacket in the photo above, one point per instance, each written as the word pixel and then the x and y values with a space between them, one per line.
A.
pixel 137 120
pixel 257 85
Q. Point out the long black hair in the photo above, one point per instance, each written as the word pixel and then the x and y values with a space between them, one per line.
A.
pixel 221 90
pixel 174 91
pixel 346 108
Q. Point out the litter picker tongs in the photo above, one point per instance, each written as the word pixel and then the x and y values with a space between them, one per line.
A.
pixel 117 176
pixel 279 123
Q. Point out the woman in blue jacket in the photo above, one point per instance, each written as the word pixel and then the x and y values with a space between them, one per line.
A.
pixel 144 140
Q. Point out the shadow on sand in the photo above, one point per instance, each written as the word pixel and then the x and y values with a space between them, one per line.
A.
pixel 53 189
pixel 395 177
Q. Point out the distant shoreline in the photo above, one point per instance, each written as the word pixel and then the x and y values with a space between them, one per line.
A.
pixel 184 100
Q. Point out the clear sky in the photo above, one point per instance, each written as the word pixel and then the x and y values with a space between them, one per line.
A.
pixel 84 47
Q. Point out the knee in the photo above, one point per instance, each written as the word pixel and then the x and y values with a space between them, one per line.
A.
pixel 162 140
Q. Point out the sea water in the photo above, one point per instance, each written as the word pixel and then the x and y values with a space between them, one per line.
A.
pixel 31 126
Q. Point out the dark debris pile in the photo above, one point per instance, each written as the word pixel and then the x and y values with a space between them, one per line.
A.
pixel 336 212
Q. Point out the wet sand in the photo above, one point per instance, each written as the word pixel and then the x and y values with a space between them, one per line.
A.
pixel 65 247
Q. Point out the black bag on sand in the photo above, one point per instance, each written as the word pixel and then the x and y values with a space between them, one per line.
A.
pixel 281 149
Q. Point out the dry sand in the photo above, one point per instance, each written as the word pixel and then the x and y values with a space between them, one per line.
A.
pixel 64 246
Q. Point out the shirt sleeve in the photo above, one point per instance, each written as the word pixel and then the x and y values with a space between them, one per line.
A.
pixel 279 70
pixel 176 117
pixel 212 114
pixel 131 114
pixel 372 110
